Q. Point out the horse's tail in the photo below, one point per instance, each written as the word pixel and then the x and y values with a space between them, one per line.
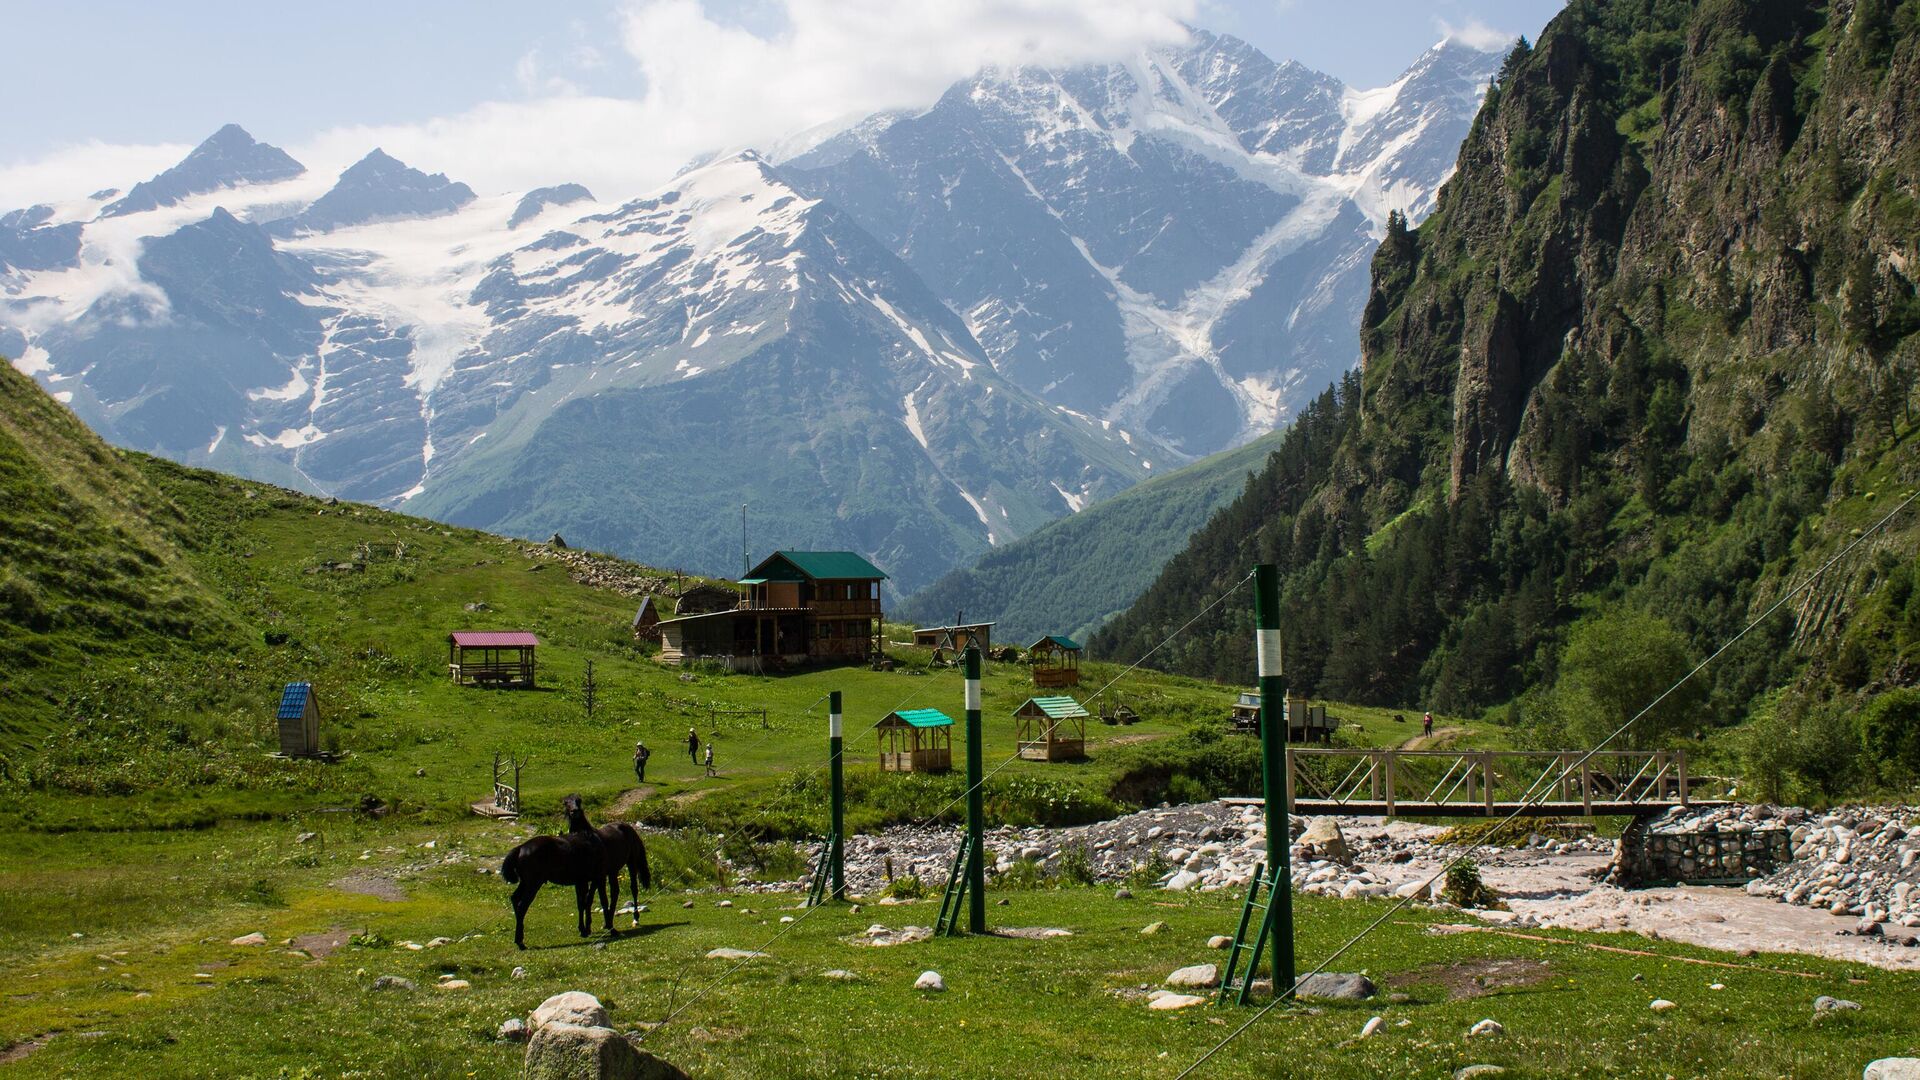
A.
pixel 639 857
pixel 510 870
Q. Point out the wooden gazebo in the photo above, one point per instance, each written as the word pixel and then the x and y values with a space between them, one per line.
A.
pixel 491 657
pixel 916 740
pixel 1051 729
pixel 1056 662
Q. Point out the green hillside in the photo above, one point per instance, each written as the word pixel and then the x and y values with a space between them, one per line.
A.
pixel 1650 362
pixel 1073 574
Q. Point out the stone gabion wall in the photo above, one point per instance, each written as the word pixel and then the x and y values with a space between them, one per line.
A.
pixel 1726 843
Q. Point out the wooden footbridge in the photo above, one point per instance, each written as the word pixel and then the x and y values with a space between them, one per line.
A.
pixel 1493 783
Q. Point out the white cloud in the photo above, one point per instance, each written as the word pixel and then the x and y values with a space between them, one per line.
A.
pixel 709 85
pixel 73 172
pixel 1476 35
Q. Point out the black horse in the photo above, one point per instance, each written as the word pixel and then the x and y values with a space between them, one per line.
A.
pixel 576 858
pixel 622 848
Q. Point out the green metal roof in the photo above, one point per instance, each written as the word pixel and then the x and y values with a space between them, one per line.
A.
pixel 814 566
pixel 1063 642
pixel 1059 708
pixel 925 717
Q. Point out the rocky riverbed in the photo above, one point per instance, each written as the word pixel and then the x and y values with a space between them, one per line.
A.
pixel 1851 890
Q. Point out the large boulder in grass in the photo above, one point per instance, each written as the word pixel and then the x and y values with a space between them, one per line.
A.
pixel 1336 986
pixel 571 1052
pixel 573 1007
pixel 1904 1068
pixel 1324 840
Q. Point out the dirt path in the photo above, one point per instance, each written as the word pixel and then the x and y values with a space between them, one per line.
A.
pixel 1435 741
pixel 623 806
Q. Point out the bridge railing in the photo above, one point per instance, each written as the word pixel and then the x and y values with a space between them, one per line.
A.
pixel 1481 781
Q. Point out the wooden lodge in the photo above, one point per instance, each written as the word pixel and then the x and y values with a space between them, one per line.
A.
pixel 1305 722
pixel 502 658
pixel 916 740
pixel 299 721
pixel 1056 662
pixel 955 639
pixel 646 621
pixel 801 607
pixel 1051 729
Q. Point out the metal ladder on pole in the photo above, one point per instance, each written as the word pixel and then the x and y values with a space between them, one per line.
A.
pixel 1262 880
pixel 823 872
pixel 954 900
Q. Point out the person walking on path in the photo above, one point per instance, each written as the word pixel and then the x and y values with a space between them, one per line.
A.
pixel 710 771
pixel 640 756
pixel 1426 725
pixel 693 746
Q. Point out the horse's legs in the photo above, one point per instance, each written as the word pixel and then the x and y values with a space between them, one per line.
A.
pixel 583 905
pixel 634 884
pixel 522 900
pixel 610 896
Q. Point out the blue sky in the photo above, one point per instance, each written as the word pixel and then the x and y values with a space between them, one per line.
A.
pixel 107 89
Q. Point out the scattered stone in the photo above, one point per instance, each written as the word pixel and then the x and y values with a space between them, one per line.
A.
pixel 255 938
pixel 519 973
pixel 1485 1029
pixel 514 1029
pixel 1825 1004
pixel 388 982
pixel 454 984
pixel 574 1007
pixel 1336 986
pixel 570 1052
pixel 1662 1005
pixel 304 837
pixel 1152 928
pixel 1219 941
pixel 840 975
pixel 724 903
pixel 733 954
pixel 439 941
pixel 1474 1072
pixel 1197 975
pixel 687 904
pixel 1182 881
pixel 1169 1002
pixel 1123 894
pixel 1373 1026
pixel 1323 839
pixel 930 980
pixel 1905 1068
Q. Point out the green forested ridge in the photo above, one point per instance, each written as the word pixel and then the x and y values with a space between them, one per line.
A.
pixel 1654 352
pixel 1072 574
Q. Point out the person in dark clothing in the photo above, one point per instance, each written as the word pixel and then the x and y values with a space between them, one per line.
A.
pixel 1426 724
pixel 640 756
pixel 693 746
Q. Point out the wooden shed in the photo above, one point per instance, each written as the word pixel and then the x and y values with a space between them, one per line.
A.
pixel 956 638
pixel 299 719
pixel 646 621
pixel 916 740
pixel 491 657
pixel 1056 662
pixel 1051 729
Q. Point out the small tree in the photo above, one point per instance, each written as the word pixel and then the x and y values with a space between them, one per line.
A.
pixel 1615 666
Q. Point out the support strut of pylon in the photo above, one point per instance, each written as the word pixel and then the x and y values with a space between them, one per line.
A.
pixel 976 801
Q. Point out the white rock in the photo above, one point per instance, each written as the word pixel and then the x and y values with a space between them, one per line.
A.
pixel 255 938
pixel 1905 1068
pixel 1486 1028
pixel 930 980
pixel 1219 941
pixel 1662 1005
pixel 1196 975
pixel 1182 881
pixel 733 954
pixel 1168 1002
pixel 1373 1025
pixel 573 1007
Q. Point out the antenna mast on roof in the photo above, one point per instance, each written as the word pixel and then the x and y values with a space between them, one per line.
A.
pixel 746 561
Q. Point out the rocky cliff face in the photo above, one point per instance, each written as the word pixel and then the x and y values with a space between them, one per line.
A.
pixel 1655 346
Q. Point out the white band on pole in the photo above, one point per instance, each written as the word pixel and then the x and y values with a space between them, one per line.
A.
pixel 973 695
pixel 1268 643
pixel 833 725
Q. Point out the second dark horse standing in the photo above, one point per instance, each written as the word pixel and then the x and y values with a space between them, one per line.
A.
pixel 585 858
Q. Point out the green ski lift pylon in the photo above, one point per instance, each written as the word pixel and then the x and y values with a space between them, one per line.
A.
pixel 1276 912
pixel 830 871
pixel 967 880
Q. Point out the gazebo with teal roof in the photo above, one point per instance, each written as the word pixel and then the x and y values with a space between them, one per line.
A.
pixel 1051 729
pixel 915 740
